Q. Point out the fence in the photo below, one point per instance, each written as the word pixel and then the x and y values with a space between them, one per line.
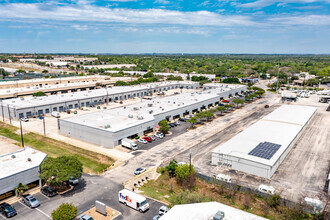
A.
pixel 140 179
pixel 255 192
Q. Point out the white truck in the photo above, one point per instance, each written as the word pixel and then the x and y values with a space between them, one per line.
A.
pixel 133 200
pixel 56 114
pixel 130 144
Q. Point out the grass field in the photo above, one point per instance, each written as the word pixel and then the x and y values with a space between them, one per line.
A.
pixel 92 162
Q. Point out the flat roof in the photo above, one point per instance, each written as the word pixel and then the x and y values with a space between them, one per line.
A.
pixel 27 102
pixel 206 211
pixel 128 116
pixel 18 161
pixel 279 127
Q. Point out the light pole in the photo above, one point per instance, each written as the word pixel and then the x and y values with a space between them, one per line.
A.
pixel 20 124
pixel 278 73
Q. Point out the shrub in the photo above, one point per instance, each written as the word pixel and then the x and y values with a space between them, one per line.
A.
pixel 274 200
pixel 66 211
pixel 186 197
pixel 39 94
pixel 171 167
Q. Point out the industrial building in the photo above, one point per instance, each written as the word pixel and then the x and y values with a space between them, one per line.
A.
pixel 35 106
pixel 107 128
pixel 208 211
pixel 261 148
pixel 22 166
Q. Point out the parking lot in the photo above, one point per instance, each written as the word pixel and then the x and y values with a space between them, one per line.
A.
pixel 90 189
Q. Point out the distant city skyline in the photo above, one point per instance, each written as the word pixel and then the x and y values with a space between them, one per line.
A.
pixel 165 26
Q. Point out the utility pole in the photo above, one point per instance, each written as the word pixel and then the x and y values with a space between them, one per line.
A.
pixel 189 163
pixel 20 123
pixel 43 119
pixel 3 114
pixel 278 73
pixel 107 95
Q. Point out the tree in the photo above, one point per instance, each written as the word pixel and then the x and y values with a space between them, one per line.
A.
pixel 171 167
pixel 3 73
pixel 185 175
pixel 238 102
pixel 57 171
pixel 20 189
pixel 66 211
pixel 121 83
pixel 193 121
pixel 231 80
pixel 39 94
pixel 164 126
pixel 148 75
pixel 45 71
pixel 221 109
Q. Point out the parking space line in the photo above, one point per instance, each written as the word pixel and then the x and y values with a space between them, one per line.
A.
pixel 43 213
pixel 2 217
pixel 45 196
pixel 24 205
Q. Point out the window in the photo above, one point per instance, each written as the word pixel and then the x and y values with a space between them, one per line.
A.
pixel 47 110
pixel 70 106
pixel 55 109
pixel 82 104
pixel 76 105
pixel 87 103
pixel 21 115
pixel 40 112
pixel 61 109
pixel 28 114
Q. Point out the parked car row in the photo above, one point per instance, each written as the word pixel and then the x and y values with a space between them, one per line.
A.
pixel 146 139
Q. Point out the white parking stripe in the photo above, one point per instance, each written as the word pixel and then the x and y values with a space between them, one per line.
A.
pixel 24 204
pixel 43 213
pixel 44 195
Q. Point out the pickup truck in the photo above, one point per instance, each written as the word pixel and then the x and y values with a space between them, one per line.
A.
pixel 30 201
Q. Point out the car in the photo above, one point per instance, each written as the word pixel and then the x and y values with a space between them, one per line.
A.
pixel 140 170
pixel 266 106
pixel 225 101
pixel 147 139
pixel 152 137
pixel 171 125
pixel 156 217
pixel 7 210
pixel 220 104
pixel 183 119
pixel 85 217
pixel 140 140
pixel 25 119
pixel 30 201
pixel 159 135
pixel 48 191
pixel 162 210
pixel 177 123
pixel 73 180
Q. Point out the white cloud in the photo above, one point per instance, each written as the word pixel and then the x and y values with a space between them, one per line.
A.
pixel 93 13
pixel 313 20
pixel 265 3
pixel 165 2
pixel 80 27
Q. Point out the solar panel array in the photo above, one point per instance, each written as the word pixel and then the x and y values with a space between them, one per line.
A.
pixel 265 150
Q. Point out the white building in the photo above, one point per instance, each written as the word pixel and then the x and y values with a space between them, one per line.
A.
pixel 207 211
pixel 109 66
pixel 107 128
pixel 22 166
pixel 261 148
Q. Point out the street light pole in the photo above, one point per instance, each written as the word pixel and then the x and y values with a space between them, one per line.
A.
pixel 43 119
pixel 278 73
pixel 20 123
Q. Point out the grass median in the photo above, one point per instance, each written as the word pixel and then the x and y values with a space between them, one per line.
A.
pixel 92 161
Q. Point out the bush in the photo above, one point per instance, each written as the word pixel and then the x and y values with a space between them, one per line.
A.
pixel 66 211
pixel 39 94
pixel 171 167
pixel 274 200
pixel 163 126
pixel 187 197
pixel 231 80
pixel 186 176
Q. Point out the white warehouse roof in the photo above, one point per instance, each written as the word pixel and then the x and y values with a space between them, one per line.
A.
pixel 206 211
pixel 19 161
pixel 279 127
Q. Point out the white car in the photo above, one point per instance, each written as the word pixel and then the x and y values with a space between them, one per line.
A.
pixel 162 210
pixel 159 135
pixel 140 170
pixel 140 140
pixel 25 119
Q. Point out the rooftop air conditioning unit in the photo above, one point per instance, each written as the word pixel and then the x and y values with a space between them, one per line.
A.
pixel 107 126
pixel 151 111
pixel 29 160
pixel 135 108
pixel 150 105
pixel 140 117
pixel 13 156
pixel 130 116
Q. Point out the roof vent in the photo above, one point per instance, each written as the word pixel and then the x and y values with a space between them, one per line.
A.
pixel 140 117
pixel 130 116
pixel 150 105
pixel 107 126
pixel 29 160
pixel 13 156
pixel 151 111
pixel 135 108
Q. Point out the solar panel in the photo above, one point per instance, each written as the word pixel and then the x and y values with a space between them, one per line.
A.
pixel 265 150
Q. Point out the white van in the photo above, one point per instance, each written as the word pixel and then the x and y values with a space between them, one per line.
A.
pixel 266 189
pixel 223 177
pixel 56 114
pixel 133 200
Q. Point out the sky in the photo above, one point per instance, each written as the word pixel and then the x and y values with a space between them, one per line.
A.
pixel 165 26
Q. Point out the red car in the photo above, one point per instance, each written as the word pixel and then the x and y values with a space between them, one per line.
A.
pixel 226 101
pixel 147 139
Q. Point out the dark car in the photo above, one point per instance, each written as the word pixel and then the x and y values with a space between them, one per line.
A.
pixel 183 119
pixel 48 191
pixel 7 210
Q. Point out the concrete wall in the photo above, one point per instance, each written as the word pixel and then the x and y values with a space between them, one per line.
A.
pixel 9 183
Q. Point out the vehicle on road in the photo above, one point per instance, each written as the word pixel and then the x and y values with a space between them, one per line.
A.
pixel 85 217
pixel 56 114
pixel 159 135
pixel 140 170
pixel 133 200
pixel 48 191
pixel 73 180
pixel 7 210
pixel 130 144
pixel 153 137
pixel 25 119
pixel 225 101
pixel 147 139
pixel 140 140
pixel 183 119
pixel 266 106
pixel 162 210
pixel 177 123
pixel 30 201
pixel 156 217
pixel 223 177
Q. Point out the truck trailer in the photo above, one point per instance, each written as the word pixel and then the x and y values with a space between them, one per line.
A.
pixel 133 200
pixel 130 144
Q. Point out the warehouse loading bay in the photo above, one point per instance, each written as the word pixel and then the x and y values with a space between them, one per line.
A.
pixel 305 169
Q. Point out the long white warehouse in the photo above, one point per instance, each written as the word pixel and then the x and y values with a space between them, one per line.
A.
pixel 261 148
pixel 34 106
pixel 107 128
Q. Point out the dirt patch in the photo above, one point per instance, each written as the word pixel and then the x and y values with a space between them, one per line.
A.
pixel 111 214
